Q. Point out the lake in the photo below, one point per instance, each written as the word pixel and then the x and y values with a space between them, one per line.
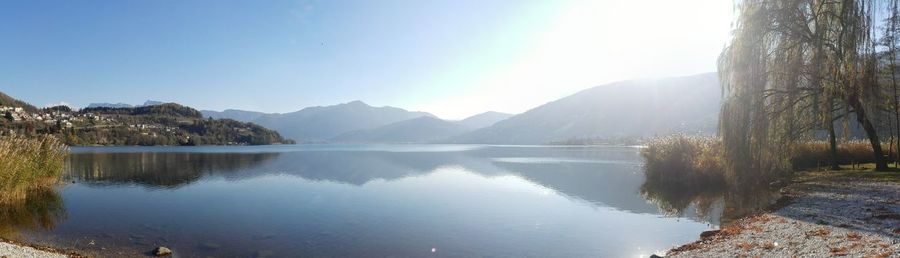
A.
pixel 358 201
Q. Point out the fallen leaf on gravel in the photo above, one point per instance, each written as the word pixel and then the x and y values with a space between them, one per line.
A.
pixel 769 245
pixel 839 251
pixel 854 236
pixel 881 255
pixel 822 232
pixel 730 231
pixel 746 246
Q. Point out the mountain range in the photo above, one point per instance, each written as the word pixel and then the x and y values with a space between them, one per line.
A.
pixel 124 105
pixel 322 123
pixel 359 122
pixel 627 109
pixel 622 110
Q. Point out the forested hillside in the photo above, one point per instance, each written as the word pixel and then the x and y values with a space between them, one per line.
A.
pixel 164 124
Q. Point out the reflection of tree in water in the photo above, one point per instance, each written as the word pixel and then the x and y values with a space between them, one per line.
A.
pixel 706 203
pixel 677 201
pixel 41 209
pixel 158 169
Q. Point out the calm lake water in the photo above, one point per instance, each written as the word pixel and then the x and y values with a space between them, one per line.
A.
pixel 359 201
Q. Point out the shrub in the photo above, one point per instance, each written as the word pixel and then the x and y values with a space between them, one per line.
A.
pixel 29 163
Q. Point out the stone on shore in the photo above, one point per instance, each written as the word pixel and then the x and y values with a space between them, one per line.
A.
pixel 162 251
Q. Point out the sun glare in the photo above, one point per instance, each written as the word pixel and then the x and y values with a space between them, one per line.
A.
pixel 595 42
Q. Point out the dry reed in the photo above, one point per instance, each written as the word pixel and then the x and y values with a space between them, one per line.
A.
pixel 29 163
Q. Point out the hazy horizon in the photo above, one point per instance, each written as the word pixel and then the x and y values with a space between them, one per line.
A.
pixel 453 59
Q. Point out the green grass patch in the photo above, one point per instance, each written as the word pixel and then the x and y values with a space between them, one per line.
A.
pixel 865 171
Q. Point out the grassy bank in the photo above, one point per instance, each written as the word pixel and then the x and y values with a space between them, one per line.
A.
pixel 29 163
pixel 687 161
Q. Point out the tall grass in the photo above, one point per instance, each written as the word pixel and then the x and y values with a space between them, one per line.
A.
pixel 815 154
pixel 29 163
pixel 689 162
pixel 681 161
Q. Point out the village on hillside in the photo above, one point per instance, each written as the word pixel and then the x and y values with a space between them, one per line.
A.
pixel 164 124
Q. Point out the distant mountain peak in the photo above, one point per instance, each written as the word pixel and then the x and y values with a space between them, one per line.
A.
pixel 109 105
pixel 152 103
pixel 357 103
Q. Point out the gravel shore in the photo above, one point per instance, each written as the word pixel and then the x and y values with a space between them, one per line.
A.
pixel 825 215
pixel 18 251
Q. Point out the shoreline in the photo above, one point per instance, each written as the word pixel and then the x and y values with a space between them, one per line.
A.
pixel 10 248
pixel 822 214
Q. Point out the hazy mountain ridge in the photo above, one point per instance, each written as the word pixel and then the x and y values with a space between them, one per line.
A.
pixel 236 114
pixel 325 122
pixel 124 105
pixel 484 119
pixel 627 109
pixel 417 130
pixel 641 108
pixel 109 105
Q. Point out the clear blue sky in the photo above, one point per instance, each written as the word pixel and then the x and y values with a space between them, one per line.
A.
pixel 454 58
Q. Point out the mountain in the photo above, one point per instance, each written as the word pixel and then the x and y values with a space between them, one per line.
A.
pixel 160 124
pixel 7 101
pixel 325 122
pixel 157 124
pixel 235 114
pixel 625 109
pixel 109 105
pixel 418 130
pixel 124 105
pixel 152 103
pixel 484 119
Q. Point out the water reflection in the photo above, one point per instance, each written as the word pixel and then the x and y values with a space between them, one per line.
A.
pixel 41 210
pixel 599 176
pixel 345 201
pixel 157 169
pixel 602 177
pixel 715 205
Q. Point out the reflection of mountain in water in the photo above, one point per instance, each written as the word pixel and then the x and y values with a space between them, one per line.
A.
pixel 158 169
pixel 600 176
pixel 607 184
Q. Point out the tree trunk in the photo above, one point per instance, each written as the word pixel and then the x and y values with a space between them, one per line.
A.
pixel 832 139
pixel 880 162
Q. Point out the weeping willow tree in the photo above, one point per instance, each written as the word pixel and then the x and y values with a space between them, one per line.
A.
pixel 889 41
pixel 793 68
